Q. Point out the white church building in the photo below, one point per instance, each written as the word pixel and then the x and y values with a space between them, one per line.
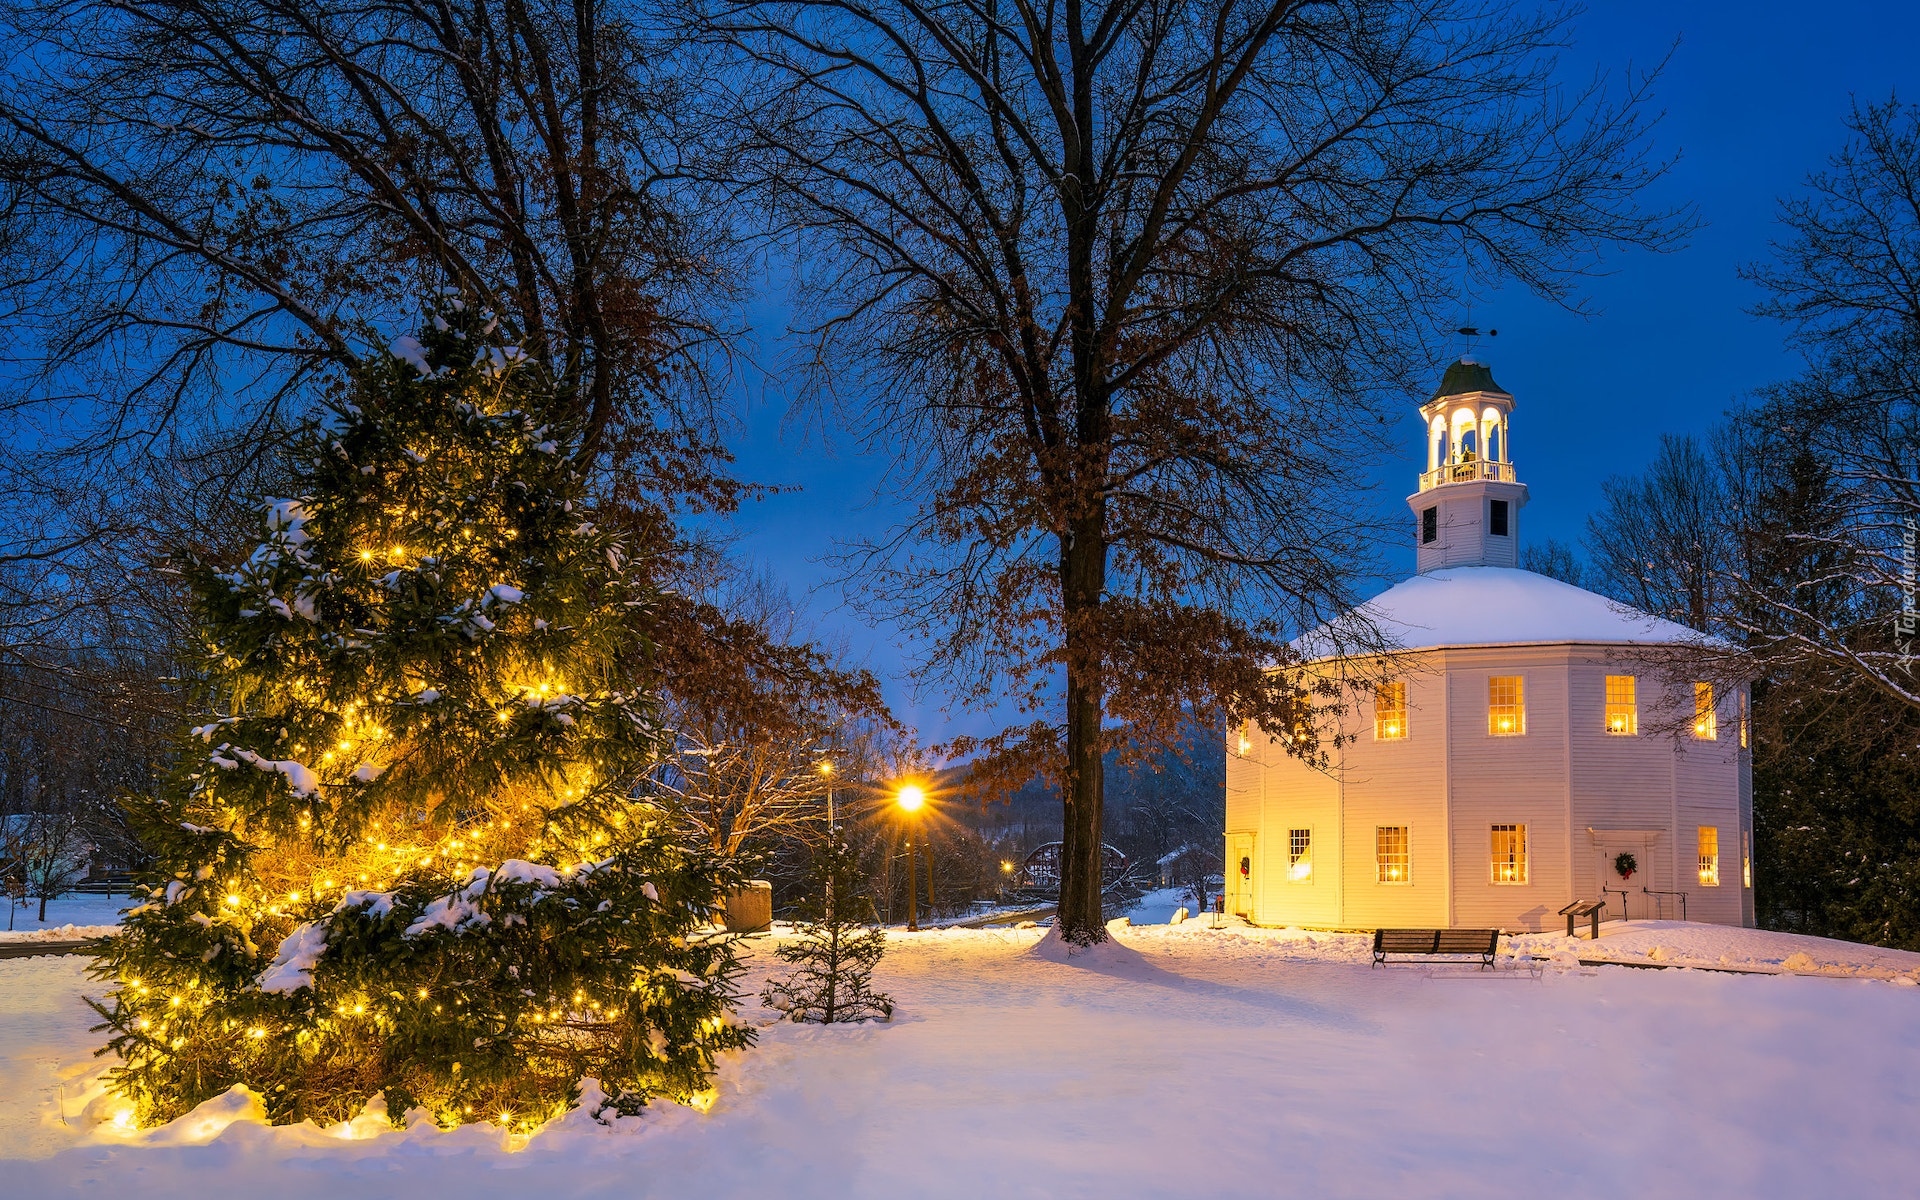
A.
pixel 1519 751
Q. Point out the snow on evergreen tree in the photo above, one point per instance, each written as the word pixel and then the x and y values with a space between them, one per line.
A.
pixel 837 949
pixel 403 855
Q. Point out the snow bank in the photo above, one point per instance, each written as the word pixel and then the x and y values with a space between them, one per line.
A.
pixel 1172 1061
pixel 211 1119
pixel 1691 944
pixel 59 933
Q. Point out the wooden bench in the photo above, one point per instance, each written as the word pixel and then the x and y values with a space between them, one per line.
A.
pixel 1479 943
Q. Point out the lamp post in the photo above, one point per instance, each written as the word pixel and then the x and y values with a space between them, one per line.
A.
pixel 910 801
pixel 826 769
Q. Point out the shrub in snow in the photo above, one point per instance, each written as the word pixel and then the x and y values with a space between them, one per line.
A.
pixel 402 854
pixel 838 947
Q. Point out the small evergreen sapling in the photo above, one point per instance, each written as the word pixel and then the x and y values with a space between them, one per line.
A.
pixel 403 854
pixel 837 950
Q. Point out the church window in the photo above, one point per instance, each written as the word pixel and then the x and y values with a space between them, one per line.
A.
pixel 1509 853
pixel 1740 698
pixel 1704 726
pixel 1623 712
pixel 1390 854
pixel 1506 705
pixel 1497 519
pixel 1390 710
pixel 1300 855
pixel 1709 856
pixel 1429 525
pixel 1746 859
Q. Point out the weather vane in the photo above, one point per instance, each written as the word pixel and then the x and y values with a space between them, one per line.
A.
pixel 1470 337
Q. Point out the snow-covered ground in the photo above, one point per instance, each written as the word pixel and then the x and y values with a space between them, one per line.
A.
pixel 71 916
pixel 1158 906
pixel 1676 943
pixel 1180 1061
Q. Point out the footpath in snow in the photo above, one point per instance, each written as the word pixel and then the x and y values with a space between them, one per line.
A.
pixel 1176 1061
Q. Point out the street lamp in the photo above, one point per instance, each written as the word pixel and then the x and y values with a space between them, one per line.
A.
pixel 911 799
pixel 826 769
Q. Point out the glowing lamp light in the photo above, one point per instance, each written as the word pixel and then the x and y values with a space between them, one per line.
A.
pixel 911 798
pixel 1506 724
pixel 1393 729
pixel 1301 870
pixel 826 766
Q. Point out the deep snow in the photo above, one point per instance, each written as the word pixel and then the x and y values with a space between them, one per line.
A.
pixel 69 916
pixel 1177 1062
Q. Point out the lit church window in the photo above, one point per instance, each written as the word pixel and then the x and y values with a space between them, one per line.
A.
pixel 1506 705
pixel 1509 853
pixel 1300 855
pixel 1391 854
pixel 1623 713
pixel 1390 710
pixel 1704 726
pixel 1709 856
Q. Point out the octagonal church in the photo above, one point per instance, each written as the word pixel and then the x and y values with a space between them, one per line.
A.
pixel 1520 752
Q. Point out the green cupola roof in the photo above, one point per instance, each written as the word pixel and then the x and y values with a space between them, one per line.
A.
pixel 1467 376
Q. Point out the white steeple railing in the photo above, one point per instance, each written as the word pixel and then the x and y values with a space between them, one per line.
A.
pixel 1466 472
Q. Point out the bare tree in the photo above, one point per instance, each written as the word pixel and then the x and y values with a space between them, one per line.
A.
pixel 1846 277
pixel 1122 286
pixel 756 708
pixel 208 211
pixel 232 188
pixel 1662 539
pixel 1554 559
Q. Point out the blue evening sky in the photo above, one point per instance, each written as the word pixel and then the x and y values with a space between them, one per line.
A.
pixel 1754 96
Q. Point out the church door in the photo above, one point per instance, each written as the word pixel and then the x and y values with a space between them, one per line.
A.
pixel 1638 867
pixel 1240 876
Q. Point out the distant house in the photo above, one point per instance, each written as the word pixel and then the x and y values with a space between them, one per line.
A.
pixel 1522 753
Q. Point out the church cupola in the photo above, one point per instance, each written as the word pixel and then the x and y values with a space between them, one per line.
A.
pixel 1467 511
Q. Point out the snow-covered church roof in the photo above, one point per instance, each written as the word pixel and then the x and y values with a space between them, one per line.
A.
pixel 1507 606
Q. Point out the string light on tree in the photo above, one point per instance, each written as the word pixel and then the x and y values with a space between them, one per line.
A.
pixel 403 853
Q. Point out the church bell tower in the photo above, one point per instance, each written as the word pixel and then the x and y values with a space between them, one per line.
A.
pixel 1467 511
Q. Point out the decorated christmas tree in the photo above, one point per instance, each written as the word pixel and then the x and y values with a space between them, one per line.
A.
pixel 403 853
pixel 838 947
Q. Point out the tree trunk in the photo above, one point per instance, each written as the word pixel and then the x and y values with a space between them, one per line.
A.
pixel 1085 556
pixel 43 909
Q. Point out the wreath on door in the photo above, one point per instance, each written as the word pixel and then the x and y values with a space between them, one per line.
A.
pixel 1625 864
